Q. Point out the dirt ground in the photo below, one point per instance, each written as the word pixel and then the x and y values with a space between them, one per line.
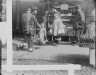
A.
pixel 51 55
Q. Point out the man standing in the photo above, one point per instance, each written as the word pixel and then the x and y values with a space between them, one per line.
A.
pixel 27 29
pixel 29 26
pixel 35 21
pixel 79 21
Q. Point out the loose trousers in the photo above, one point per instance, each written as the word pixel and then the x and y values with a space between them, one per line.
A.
pixel 30 40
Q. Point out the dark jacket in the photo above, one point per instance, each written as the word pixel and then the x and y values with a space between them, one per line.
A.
pixel 30 23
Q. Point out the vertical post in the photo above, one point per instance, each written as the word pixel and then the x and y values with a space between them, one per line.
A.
pixel 17 14
pixel 70 72
pixel 47 15
pixel 0 55
pixel 92 56
pixel 47 18
pixel 9 36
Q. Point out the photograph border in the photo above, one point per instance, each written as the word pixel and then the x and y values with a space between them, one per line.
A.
pixel 10 67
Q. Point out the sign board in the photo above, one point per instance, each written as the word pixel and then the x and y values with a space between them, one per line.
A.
pixel 64 6
pixel 64 14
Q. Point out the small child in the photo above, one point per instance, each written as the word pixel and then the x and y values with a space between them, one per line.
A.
pixel 42 34
pixel 58 29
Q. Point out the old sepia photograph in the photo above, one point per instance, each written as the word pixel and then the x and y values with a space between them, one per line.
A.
pixel 54 32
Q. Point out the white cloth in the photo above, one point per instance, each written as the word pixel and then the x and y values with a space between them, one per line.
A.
pixel 82 15
pixel 91 25
pixel 58 27
pixel 42 34
pixel 93 13
pixel 50 31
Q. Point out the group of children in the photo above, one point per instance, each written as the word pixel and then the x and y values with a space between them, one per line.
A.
pixel 57 29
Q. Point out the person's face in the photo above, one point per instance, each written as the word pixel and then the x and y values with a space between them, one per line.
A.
pixel 35 11
pixel 56 16
pixel 42 25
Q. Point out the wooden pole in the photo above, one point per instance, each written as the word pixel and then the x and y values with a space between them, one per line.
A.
pixel 17 14
pixel 47 17
pixel 0 54
pixel 92 56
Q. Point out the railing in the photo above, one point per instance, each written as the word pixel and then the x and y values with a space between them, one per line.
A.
pixel 70 68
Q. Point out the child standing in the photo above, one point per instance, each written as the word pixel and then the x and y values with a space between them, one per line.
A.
pixel 42 34
pixel 58 29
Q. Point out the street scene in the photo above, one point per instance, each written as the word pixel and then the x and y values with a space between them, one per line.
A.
pixel 53 32
pixel 50 32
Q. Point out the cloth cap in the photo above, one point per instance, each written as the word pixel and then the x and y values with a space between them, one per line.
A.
pixel 34 8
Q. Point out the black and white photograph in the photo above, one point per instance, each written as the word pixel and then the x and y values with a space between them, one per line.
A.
pixel 53 32
pixel 3 10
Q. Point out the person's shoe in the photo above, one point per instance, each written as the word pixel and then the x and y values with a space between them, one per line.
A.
pixel 31 49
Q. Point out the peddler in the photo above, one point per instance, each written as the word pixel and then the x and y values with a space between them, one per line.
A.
pixel 30 24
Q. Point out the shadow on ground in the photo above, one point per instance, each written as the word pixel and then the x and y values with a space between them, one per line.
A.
pixel 59 59
pixel 74 59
